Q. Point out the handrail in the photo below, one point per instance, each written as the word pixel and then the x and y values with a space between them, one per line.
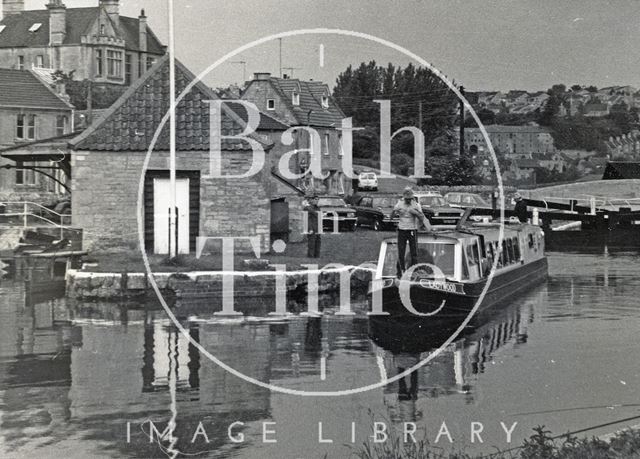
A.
pixel 25 214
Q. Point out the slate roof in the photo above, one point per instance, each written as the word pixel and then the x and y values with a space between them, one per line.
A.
pixel 616 170
pixel 16 33
pixel 131 122
pixel 311 93
pixel 527 163
pixel 267 123
pixel 22 88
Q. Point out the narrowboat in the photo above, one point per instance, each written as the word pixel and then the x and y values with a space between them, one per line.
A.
pixel 453 268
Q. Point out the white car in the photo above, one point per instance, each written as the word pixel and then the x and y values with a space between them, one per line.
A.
pixel 368 181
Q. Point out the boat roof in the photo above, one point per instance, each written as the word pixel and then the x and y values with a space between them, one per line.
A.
pixel 477 229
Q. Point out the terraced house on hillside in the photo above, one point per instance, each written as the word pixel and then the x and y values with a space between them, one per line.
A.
pixel 96 42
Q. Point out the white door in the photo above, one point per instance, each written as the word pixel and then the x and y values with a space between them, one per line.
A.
pixel 161 215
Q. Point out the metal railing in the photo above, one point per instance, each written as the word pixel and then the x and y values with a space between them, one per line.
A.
pixel 26 212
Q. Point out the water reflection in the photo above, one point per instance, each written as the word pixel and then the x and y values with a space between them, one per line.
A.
pixel 72 375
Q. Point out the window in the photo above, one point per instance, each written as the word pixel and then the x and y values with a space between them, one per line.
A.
pixel 26 127
pixel 35 27
pixel 20 62
pixel 25 176
pixel 40 61
pixel 516 249
pixel 127 69
pixel 114 63
pixel 325 144
pixel 103 29
pixel 325 101
pixel 2 27
pixel 271 104
pixel 99 63
pixel 150 62
pixel 295 98
pixel 62 122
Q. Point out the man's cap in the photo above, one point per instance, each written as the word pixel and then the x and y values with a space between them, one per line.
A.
pixel 408 193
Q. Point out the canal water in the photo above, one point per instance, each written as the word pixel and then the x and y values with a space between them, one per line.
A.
pixel 84 380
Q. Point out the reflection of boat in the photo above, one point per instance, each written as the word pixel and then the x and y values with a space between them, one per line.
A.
pixel 453 270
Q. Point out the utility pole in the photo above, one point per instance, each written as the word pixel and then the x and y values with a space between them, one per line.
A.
pixel 280 62
pixel 461 123
pixel 173 230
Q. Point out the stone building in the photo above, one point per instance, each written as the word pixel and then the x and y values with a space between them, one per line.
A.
pixel 512 141
pixel 108 159
pixel 302 104
pixel 95 43
pixel 30 113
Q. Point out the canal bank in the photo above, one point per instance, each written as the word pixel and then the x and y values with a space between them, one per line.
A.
pixel 345 257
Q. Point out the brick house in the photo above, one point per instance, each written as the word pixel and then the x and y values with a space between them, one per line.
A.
pixel 95 42
pixel 107 163
pixel 300 103
pixel 31 113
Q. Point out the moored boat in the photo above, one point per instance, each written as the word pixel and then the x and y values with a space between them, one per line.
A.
pixel 454 268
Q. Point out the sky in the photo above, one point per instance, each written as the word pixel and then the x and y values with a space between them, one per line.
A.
pixel 481 44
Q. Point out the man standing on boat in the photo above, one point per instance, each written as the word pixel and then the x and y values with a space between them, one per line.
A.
pixel 410 218
pixel 520 208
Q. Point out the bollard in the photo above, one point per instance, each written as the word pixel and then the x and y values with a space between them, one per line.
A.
pixel 592 202
pixel 535 219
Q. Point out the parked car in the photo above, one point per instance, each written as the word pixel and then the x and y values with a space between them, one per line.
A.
pixel 467 200
pixel 335 208
pixel 438 210
pixel 375 211
pixel 368 181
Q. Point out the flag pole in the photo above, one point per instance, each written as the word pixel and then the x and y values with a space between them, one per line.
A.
pixel 173 242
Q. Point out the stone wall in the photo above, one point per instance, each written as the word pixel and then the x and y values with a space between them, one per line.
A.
pixel 105 196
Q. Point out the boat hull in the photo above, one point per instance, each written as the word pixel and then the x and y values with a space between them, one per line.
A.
pixel 443 305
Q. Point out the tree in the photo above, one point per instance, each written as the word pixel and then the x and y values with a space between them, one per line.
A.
pixel 576 88
pixel 415 94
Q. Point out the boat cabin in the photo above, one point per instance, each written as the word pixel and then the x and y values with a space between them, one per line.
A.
pixel 468 254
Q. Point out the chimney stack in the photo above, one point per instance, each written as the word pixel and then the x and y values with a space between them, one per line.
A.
pixel 261 76
pixel 142 31
pixel 112 7
pixel 10 7
pixel 57 22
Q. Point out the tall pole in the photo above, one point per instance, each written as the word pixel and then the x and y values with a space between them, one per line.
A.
pixel 173 250
pixel 280 64
pixel 420 115
pixel 461 123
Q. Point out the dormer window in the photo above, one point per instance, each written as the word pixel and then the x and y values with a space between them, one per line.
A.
pixel 35 27
pixel 295 98
pixel 271 104
pixel 2 27
pixel 325 101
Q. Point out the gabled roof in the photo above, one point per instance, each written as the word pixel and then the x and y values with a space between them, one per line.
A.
pixel 616 170
pixel 16 33
pixel 131 122
pixel 310 111
pixel 22 88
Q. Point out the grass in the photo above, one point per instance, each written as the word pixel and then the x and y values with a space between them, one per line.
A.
pixel 345 248
pixel 540 445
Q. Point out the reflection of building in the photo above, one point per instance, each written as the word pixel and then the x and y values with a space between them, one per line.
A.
pixel 35 358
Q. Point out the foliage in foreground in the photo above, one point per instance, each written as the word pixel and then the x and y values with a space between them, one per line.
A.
pixel 541 445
